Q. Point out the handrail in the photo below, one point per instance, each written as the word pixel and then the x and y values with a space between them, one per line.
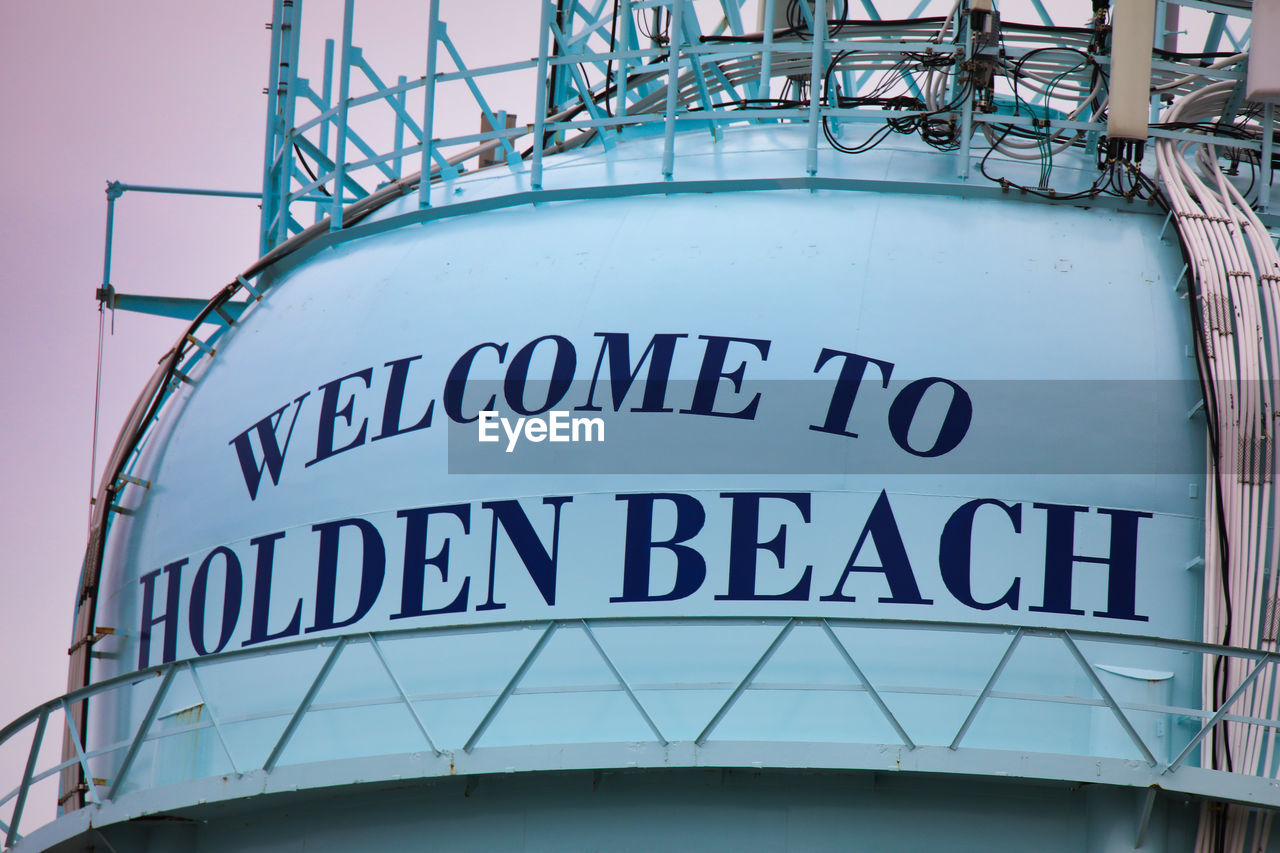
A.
pixel 142 730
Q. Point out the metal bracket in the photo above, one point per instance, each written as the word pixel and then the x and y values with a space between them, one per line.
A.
pixel 91 639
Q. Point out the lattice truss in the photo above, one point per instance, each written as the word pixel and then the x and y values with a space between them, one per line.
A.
pixel 987 700
pixel 1025 89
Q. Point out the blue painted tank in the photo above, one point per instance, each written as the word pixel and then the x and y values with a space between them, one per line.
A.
pixel 861 442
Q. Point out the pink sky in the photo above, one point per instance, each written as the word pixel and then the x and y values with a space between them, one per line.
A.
pixel 144 92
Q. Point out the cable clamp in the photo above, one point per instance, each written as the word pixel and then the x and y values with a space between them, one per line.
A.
pixel 1204 217
pixel 90 639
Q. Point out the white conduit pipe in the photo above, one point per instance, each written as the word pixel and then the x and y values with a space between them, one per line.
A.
pixel 1231 255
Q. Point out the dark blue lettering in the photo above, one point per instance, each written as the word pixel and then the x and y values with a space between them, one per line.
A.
pixel 416 561
pixel 373 568
pixel 169 619
pixel 513 387
pixel 691 568
pixel 712 371
pixel 395 401
pixel 233 586
pixel 954 425
pixel 261 613
pixel 272 452
pixel 622 377
pixel 1122 564
pixel 744 542
pixel 851 372
pixel 329 414
pixel 456 383
pixel 882 529
pixel 955 555
pixel 540 565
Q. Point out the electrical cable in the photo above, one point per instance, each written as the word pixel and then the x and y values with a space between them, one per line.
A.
pixel 306 167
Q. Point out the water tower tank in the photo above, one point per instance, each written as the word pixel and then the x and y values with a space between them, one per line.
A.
pixel 815 429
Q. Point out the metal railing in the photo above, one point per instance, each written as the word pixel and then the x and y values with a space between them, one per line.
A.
pixel 696 76
pixel 135 701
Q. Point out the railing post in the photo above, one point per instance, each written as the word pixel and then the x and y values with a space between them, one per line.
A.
pixel 966 110
pixel 429 103
pixel 404 696
pixel 398 138
pixel 74 731
pixel 623 43
pixel 213 716
pixel 540 108
pixel 114 191
pixel 673 89
pixel 871 690
pixel 766 50
pixel 815 81
pixel 291 37
pixel 12 835
pixel 344 91
pixel 273 131
pixel 106 299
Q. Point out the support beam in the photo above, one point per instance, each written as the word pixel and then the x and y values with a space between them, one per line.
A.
pixel 986 690
pixel 344 102
pixel 143 727
pixel 540 107
pixel 745 682
pixel 511 686
pixel 11 836
pixel 1121 717
pixel 816 60
pixel 871 690
pixel 274 131
pixel 304 705
pixel 673 89
pixel 622 682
